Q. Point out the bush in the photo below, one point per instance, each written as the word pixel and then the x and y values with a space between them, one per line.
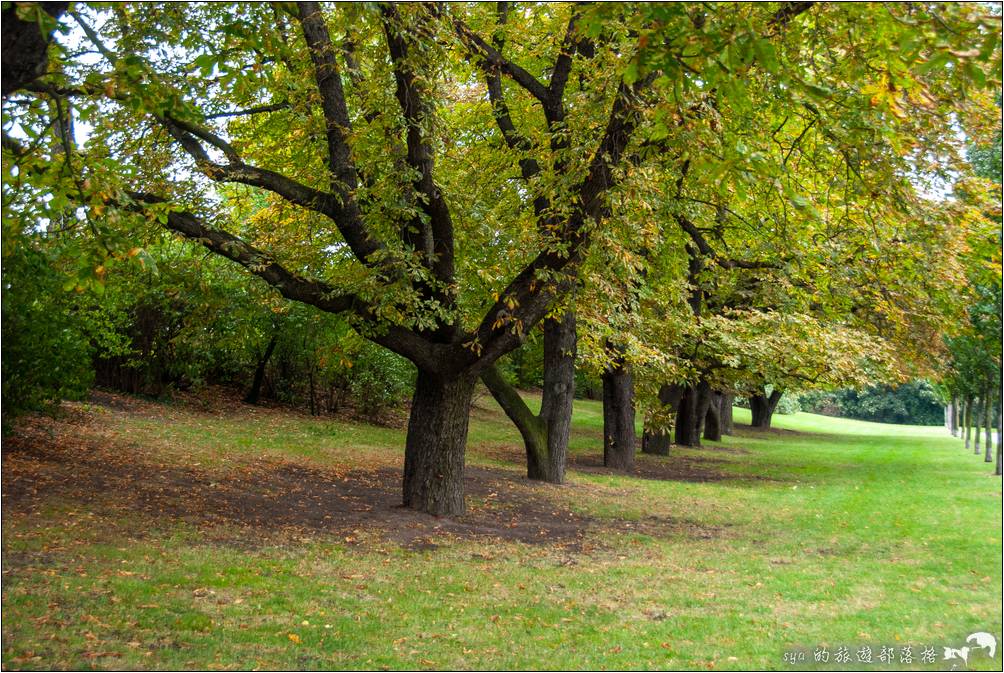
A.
pixel 913 403
pixel 46 355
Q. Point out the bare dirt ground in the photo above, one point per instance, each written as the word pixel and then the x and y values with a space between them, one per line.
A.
pixel 71 460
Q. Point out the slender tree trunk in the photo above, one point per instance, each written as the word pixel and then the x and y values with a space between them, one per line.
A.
pixel 988 414
pixel 953 414
pixel 545 436
pixel 980 405
pixel 618 415
pixel 727 401
pixel 259 373
pixel 531 427
pixel 434 448
pixel 959 408
pixel 967 414
pixel 713 419
pixel 762 408
pixel 313 390
pixel 1000 436
pixel 656 442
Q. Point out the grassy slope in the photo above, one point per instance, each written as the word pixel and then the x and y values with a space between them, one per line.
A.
pixel 857 533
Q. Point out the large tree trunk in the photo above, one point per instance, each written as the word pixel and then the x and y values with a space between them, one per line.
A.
pixel 726 413
pixel 988 413
pixel 560 344
pixel 545 437
pixel 686 419
pixel 259 373
pixel 762 408
pixel 434 449
pixel 967 420
pixel 713 418
pixel 657 441
pixel 704 400
pixel 618 415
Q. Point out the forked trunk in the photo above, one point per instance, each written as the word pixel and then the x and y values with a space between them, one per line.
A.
pixel 618 416
pixel 762 408
pixel 434 449
pixel 545 437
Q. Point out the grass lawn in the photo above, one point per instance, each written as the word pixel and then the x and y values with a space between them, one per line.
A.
pixel 139 535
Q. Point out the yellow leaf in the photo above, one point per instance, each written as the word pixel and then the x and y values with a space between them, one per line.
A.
pixel 293 637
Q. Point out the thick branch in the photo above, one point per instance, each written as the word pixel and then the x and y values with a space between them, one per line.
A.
pixel 329 85
pixel 297 288
pixel 435 238
pixel 788 12
pixel 526 299
pixel 291 286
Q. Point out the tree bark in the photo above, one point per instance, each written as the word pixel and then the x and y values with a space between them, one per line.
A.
pixel 978 408
pixel 686 419
pixel 656 441
pixel 726 413
pixel 950 416
pixel 545 436
pixel 713 418
pixel 704 400
pixel 988 414
pixel 1000 437
pixel 960 417
pixel 762 408
pixel 560 343
pixel 618 414
pixel 967 415
pixel 25 47
pixel 259 373
pixel 434 448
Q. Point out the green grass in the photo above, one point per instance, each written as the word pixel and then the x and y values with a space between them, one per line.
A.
pixel 841 532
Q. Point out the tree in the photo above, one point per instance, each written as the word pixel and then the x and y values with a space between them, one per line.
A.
pixel 375 183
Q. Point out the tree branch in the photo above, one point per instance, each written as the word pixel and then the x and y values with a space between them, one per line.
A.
pixel 434 238
pixel 528 296
pixel 291 286
pixel 274 107
pixel 488 58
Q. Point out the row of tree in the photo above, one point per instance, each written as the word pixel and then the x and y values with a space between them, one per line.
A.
pixel 689 202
